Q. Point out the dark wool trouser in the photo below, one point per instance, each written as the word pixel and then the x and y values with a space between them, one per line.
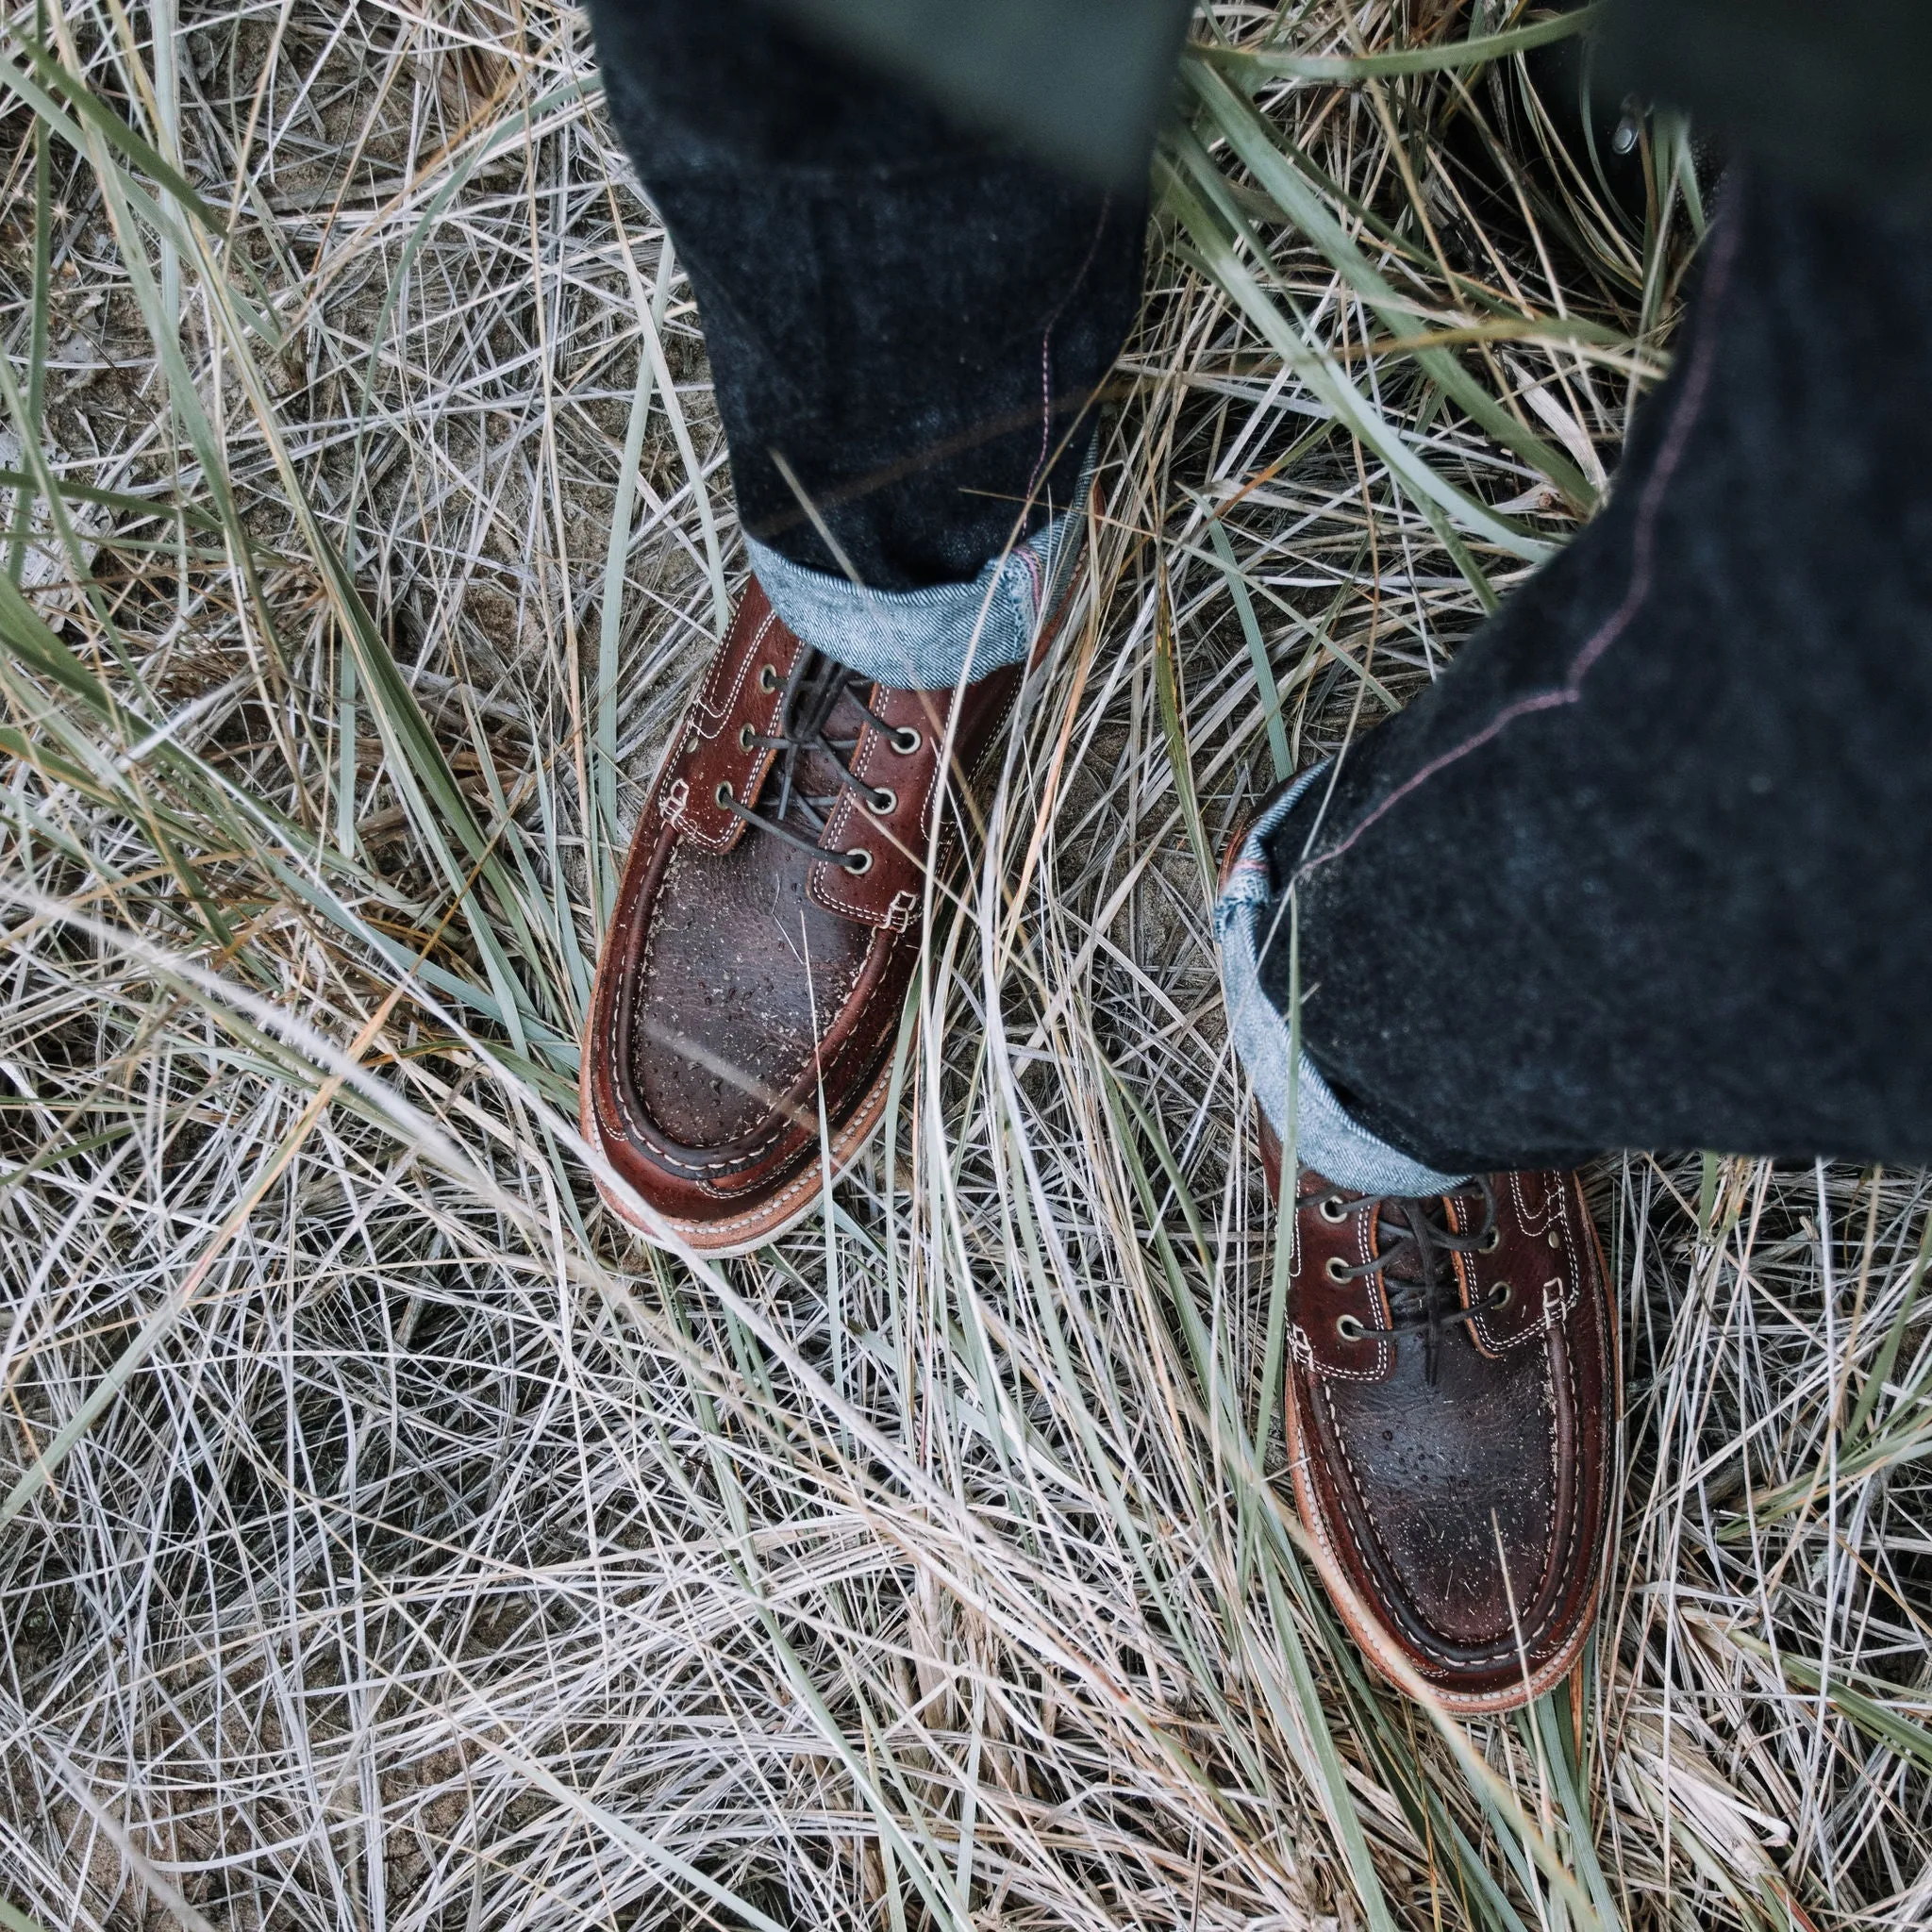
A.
pixel 1651 865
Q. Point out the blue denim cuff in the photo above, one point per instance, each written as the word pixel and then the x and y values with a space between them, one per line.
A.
pixel 1325 1138
pixel 927 640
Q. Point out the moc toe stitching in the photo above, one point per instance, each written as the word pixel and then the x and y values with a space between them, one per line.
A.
pixel 807 1181
pixel 696 978
pixel 1396 1598
pixel 632 1109
pixel 1537 1434
pixel 782 1112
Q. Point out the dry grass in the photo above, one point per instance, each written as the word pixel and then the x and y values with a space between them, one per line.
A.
pixel 392 1542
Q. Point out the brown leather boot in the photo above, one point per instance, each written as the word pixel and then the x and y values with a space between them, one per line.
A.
pixel 1452 1397
pixel 766 932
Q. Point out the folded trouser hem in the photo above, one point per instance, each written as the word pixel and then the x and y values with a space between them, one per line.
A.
pixel 1324 1137
pixel 932 637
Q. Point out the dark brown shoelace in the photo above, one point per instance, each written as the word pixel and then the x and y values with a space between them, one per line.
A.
pixel 1423 1298
pixel 813 693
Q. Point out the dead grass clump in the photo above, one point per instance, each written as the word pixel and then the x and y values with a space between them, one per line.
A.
pixel 389 1540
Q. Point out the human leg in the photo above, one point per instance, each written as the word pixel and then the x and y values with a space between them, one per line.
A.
pixel 904 322
pixel 908 315
pixel 1648 867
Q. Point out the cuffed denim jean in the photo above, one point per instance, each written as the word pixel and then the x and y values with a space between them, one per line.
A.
pixel 1651 866
pixel 907 321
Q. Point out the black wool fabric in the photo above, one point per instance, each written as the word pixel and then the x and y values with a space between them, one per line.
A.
pixel 1835 90
pixel 909 312
pixel 1651 865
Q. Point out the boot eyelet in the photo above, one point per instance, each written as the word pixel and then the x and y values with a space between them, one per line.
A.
pixel 744 737
pixel 1336 1269
pixel 768 677
pixel 1349 1327
pixel 906 740
pixel 1501 1295
pixel 1332 1207
pixel 1491 1241
pixel 858 862
pixel 722 795
pixel 884 802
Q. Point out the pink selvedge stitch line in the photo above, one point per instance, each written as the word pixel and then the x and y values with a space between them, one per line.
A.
pixel 1034 576
pixel 1046 351
pixel 1696 383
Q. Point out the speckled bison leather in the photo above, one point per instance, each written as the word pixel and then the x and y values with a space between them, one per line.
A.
pixel 747 983
pixel 1467 1513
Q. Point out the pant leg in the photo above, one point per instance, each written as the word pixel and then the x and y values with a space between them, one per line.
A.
pixel 1652 866
pixel 911 314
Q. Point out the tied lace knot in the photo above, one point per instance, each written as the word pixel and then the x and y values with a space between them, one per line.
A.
pixel 1423 1294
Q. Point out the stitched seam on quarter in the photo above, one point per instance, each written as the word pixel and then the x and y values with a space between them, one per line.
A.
pixel 844 810
pixel 1572 1252
pixel 1379 1308
pixel 1336 1374
pixel 1556 1215
pixel 711 841
pixel 1377 1286
pixel 1326 1373
pixel 995 732
pixel 726 706
pixel 843 815
pixel 850 908
pixel 722 839
pixel 1537 1224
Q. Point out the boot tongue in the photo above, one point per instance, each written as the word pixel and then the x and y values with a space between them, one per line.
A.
pixel 1420 1279
pixel 1395 1236
pixel 815 777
